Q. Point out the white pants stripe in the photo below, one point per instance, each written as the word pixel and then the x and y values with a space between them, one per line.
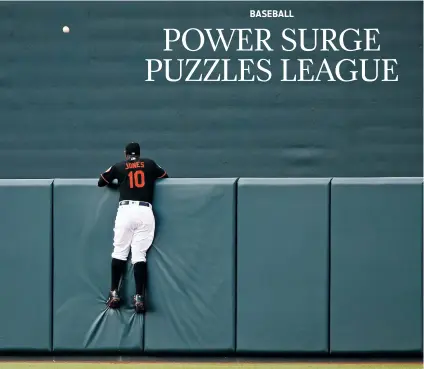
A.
pixel 134 230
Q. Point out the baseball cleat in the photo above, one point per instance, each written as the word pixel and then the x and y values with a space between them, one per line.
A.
pixel 113 300
pixel 139 304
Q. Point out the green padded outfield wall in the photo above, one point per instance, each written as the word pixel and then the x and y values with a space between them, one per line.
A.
pixel 191 269
pixel 25 264
pixel 191 289
pixel 376 265
pixel 282 265
pixel 80 97
pixel 83 242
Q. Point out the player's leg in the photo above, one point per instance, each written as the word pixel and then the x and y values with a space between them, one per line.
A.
pixel 141 242
pixel 140 277
pixel 121 248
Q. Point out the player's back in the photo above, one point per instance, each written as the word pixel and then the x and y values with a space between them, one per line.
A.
pixel 136 177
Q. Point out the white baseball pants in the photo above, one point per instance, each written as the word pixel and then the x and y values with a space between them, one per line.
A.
pixel 134 229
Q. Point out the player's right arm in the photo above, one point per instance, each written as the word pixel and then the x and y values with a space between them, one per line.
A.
pixel 107 177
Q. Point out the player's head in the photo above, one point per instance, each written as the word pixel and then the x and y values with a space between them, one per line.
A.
pixel 132 149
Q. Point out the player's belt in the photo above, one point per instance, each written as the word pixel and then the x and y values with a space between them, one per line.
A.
pixel 141 203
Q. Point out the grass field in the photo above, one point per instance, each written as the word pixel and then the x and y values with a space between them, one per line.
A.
pixel 160 365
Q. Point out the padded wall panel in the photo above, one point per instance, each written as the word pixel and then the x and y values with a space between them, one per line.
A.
pixel 83 242
pixel 376 265
pixel 282 265
pixel 191 267
pixel 25 264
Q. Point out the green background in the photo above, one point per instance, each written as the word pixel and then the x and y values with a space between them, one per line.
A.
pixel 70 102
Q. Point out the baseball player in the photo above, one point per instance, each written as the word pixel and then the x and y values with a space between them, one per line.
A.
pixel 135 222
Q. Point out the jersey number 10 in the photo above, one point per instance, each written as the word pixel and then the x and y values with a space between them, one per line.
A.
pixel 136 179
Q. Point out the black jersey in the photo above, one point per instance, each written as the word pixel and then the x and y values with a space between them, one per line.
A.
pixel 136 178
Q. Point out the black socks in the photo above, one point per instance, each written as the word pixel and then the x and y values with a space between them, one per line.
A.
pixel 140 274
pixel 118 269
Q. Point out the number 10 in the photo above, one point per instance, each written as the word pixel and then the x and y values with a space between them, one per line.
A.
pixel 136 179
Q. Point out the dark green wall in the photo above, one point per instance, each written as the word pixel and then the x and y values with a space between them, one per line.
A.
pixel 376 271
pixel 70 102
pixel 83 233
pixel 283 261
pixel 253 265
pixel 26 264
pixel 191 289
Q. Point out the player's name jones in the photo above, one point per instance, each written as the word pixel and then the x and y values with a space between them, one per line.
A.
pixel 271 14
pixel 139 164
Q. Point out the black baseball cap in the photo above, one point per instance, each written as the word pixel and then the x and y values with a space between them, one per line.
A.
pixel 132 148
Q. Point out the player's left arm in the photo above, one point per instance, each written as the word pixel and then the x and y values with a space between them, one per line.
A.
pixel 106 178
pixel 160 172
